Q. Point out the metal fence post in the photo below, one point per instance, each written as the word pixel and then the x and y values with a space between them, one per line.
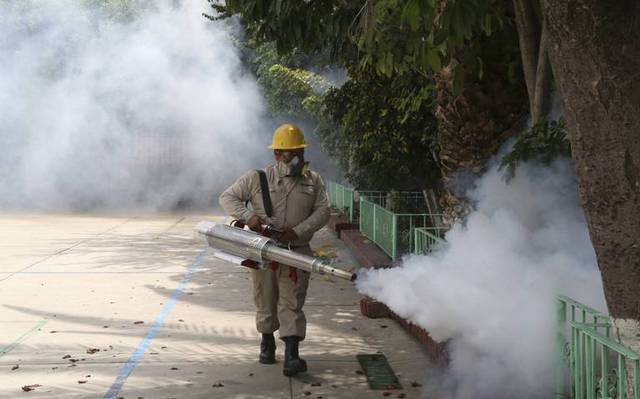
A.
pixel 394 238
pixel 351 205
pixel 361 218
pixel 375 224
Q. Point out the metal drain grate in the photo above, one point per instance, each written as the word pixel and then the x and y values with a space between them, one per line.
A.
pixel 379 373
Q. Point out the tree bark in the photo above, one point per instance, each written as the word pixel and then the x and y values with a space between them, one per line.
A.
pixel 595 54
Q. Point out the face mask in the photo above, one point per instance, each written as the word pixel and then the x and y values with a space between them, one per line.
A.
pixel 296 165
pixel 294 168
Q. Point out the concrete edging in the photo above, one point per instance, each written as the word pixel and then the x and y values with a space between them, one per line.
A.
pixel 369 255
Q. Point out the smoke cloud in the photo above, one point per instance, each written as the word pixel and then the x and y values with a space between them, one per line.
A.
pixel 491 290
pixel 102 109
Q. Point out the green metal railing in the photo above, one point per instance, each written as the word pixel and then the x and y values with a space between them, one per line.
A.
pixel 393 232
pixel 341 198
pixel 396 201
pixel 387 218
pixel 598 367
pixel 367 218
pixel 331 192
pixel 377 197
pixel 426 239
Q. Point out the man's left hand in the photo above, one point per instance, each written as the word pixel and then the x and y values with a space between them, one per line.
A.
pixel 288 236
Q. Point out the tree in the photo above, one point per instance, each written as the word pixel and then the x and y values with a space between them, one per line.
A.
pixel 387 127
pixel 380 128
pixel 595 55
pixel 469 50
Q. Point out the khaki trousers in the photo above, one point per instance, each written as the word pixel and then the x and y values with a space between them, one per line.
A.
pixel 279 299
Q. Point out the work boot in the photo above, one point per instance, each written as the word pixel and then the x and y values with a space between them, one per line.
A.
pixel 292 362
pixel 268 349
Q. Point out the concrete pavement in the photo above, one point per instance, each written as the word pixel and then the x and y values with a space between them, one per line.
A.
pixel 131 307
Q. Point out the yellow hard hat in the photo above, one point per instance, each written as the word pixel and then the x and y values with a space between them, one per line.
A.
pixel 288 137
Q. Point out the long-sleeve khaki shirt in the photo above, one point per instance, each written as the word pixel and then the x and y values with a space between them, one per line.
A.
pixel 299 203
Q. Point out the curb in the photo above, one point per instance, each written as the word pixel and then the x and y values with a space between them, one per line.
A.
pixel 374 309
pixel 365 251
pixel 369 255
pixel 339 222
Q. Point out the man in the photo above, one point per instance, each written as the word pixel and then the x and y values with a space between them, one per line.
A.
pixel 296 204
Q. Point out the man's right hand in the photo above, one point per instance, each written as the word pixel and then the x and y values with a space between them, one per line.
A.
pixel 255 223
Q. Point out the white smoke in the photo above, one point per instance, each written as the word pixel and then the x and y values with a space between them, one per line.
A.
pixel 152 110
pixel 491 291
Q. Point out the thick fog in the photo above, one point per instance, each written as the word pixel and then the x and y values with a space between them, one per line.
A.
pixel 100 109
pixel 491 291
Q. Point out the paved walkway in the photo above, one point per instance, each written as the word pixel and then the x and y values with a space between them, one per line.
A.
pixel 110 307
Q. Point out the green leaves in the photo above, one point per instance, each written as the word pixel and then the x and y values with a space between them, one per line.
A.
pixel 543 142
pixel 411 14
pixel 387 129
pixel 433 60
pixel 396 36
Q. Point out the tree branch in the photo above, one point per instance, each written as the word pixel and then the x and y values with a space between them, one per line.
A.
pixel 529 36
pixel 542 89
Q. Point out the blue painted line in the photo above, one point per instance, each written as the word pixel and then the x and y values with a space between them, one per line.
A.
pixel 157 324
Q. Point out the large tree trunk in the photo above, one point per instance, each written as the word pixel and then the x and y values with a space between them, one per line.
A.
pixel 594 47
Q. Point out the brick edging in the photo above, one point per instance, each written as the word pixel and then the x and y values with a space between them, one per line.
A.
pixel 369 255
pixel 372 308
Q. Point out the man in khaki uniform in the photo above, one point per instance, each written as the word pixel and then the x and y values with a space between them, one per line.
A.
pixel 299 208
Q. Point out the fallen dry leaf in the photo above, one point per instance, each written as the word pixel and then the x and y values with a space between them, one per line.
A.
pixel 91 351
pixel 15 367
pixel 31 387
pixel 66 356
